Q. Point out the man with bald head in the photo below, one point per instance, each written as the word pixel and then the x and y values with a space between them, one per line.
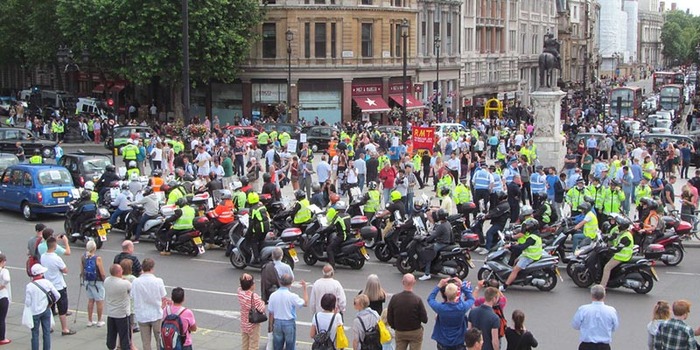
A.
pixel 406 314
pixel 324 285
pixel 128 253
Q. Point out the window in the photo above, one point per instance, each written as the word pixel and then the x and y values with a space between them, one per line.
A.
pixel 367 40
pixel 512 41
pixel 334 50
pixel 269 41
pixel 397 39
pixel 398 3
pixel 307 40
pixel 469 42
pixel 320 2
pixel 366 2
pixel 320 34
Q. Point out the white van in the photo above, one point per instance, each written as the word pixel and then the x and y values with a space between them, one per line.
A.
pixel 441 128
pixel 90 106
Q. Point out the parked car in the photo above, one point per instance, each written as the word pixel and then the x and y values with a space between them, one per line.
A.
pixel 7 160
pixel 10 136
pixel 318 137
pixel 36 189
pixel 441 128
pixel 245 134
pixel 123 133
pixel 85 167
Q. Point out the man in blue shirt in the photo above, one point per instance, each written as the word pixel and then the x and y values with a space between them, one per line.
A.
pixel 552 178
pixel 592 145
pixel 450 325
pixel 596 322
pixel 283 305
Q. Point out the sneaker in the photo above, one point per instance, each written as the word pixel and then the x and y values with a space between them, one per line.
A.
pixel 69 332
pixel 5 341
pixel 75 234
pixel 164 253
pixel 135 242
pixel 100 324
pixel 91 323
pixel 502 288
pixel 425 277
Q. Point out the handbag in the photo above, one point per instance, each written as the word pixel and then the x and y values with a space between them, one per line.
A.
pixel 49 296
pixel 384 335
pixel 341 340
pixel 255 316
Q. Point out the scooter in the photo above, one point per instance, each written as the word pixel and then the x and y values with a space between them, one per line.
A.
pixel 672 243
pixel 189 243
pixel 95 228
pixel 241 250
pixel 452 260
pixel 352 252
pixel 542 274
pixel 637 274
pixel 397 239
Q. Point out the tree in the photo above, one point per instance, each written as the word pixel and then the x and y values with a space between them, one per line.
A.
pixel 141 40
pixel 30 30
pixel 679 36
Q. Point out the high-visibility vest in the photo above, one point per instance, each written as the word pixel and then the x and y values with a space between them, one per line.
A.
pixel 445 181
pixel 59 127
pixel 574 197
pixel 178 147
pixel 174 195
pixel 547 215
pixel 284 138
pixel 259 219
pixel 509 174
pixel 482 180
pixel 613 201
pixel 537 183
pixel 184 222
pixel 273 135
pixel 239 199
pixel 462 194
pixel 497 183
pixel 373 201
pixel 35 159
pixel 382 160
pixel 131 172
pixel 590 229
pixel 534 251
pixel 94 196
pixel 343 229
pixel 641 192
pixel 350 150
pixel 156 182
pixel 303 215
pixel 646 170
pixel 129 152
pixel 224 212
pixel 597 193
pixel 625 254
pixel 263 138
pixel 416 162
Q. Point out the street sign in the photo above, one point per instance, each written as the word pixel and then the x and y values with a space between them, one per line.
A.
pixel 111 122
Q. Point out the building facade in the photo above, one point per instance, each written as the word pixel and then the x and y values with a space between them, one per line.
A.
pixel 580 43
pixel 651 20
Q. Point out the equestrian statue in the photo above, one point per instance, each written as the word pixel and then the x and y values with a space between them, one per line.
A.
pixel 549 60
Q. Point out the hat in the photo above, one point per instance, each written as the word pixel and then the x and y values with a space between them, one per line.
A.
pixel 580 181
pixel 38 269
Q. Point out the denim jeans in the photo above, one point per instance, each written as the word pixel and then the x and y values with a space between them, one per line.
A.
pixel 409 203
pixel 284 334
pixel 385 196
pixel 576 239
pixel 43 319
pixel 117 213
pixel 491 235
pixel 361 181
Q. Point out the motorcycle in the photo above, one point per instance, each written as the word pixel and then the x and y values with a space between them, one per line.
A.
pixel 452 260
pixel 241 253
pixel 215 236
pixel 554 239
pixel 637 274
pixel 352 252
pixel 542 274
pixel 671 242
pixel 397 239
pixel 189 243
pixel 95 228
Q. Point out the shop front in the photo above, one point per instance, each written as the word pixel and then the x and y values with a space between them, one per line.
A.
pixel 269 98
pixel 227 102
pixel 321 99
pixel 367 100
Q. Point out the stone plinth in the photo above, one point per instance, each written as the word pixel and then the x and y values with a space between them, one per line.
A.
pixel 547 135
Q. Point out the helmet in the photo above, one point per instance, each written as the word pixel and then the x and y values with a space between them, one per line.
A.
pixel 526 210
pixel 419 204
pixel 225 194
pixel 267 177
pixel 132 164
pixel 147 190
pixel 85 194
pixel 89 185
pixel 372 185
pixel 501 195
pixel 110 168
pixel 589 200
pixel 181 202
pixel 299 195
pixel 134 177
pixel 439 215
pixel 244 181
pixel 395 196
pixel 237 185
pixel 315 188
pixel 530 224
pixel 334 198
pixel 584 207
pixel 173 184
pixel 607 226
pixel 623 223
pixel 253 198
pixel 444 191
pixel 157 172
pixel 340 206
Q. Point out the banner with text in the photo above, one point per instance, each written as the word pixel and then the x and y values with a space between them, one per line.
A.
pixel 423 138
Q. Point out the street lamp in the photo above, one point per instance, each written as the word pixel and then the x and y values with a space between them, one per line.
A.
pixel 64 55
pixel 186 61
pixel 289 37
pixel 436 43
pixel 616 56
pixel 404 36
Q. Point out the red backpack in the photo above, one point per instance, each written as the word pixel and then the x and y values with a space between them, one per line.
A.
pixel 34 258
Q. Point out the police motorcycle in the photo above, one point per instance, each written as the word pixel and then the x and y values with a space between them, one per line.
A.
pixel 189 242
pixel 453 260
pixel 542 274
pixel 214 232
pixel 352 251
pixel 396 240
pixel 637 274
pixel 556 237
pixel 95 228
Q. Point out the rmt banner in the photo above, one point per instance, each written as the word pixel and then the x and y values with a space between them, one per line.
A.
pixel 423 138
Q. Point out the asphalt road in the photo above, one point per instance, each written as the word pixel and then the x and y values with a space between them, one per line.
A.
pixel 211 283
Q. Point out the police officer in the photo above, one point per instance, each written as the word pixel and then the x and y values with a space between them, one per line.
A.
pixel 129 151
pixel 85 209
pixel 109 176
pixel 373 199
pixel 36 158
pixel 538 184
pixel 623 244
pixel 574 196
pixel 597 191
pixel 173 191
pixel 441 235
pixel 496 186
pixel 259 224
pixel 182 221
pixel 132 169
pixel 238 197
pixel 90 186
pixel 462 196
pixel 338 230
pixel 612 199
pixel 530 244
pixel 589 224
pixel 499 215
pixel 263 139
pixel 301 211
pixel 481 181
pixel 545 214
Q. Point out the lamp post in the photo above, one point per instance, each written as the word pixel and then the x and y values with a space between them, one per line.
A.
pixel 436 110
pixel 289 36
pixel 64 55
pixel 616 56
pixel 186 61
pixel 404 36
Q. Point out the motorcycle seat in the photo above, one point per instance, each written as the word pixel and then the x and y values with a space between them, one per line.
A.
pixel 450 250
pixel 351 241
pixel 636 259
pixel 667 234
pixel 271 242
pixel 454 217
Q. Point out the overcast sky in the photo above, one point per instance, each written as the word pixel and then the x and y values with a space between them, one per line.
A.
pixel 693 5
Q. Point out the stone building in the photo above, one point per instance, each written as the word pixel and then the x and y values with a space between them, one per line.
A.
pixel 580 43
pixel 651 20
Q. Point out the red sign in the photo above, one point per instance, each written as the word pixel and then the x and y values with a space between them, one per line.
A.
pixel 423 138
pixel 398 87
pixel 367 90
pixel 418 87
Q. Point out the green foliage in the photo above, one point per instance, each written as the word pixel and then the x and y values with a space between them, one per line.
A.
pixel 680 36
pixel 29 31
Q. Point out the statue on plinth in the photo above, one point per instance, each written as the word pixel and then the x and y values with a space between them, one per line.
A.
pixel 549 60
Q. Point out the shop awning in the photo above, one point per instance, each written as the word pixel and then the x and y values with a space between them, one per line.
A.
pixel 411 102
pixel 371 104
pixel 98 89
pixel 116 88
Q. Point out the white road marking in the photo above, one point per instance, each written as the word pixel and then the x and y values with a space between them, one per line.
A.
pixel 236 315
pixel 682 273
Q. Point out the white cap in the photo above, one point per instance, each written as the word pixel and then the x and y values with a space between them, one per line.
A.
pixel 38 269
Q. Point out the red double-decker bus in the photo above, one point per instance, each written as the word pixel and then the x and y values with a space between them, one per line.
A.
pixel 665 78
pixel 626 101
pixel 671 98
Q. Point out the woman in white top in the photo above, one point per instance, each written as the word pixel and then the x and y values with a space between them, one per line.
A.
pixel 351 174
pixel 327 320
pixel 157 156
pixel 5 297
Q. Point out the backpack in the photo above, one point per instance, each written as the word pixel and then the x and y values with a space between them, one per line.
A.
pixel 322 339
pixel 503 322
pixel 371 341
pixel 34 258
pixel 171 332
pixel 90 268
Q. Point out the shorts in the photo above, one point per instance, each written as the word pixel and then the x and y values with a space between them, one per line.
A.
pixel 62 304
pixel 95 290
pixel 523 262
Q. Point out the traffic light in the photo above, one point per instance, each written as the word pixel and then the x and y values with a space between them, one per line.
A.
pixel 110 102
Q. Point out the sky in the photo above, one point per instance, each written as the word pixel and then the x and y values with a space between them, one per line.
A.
pixel 693 5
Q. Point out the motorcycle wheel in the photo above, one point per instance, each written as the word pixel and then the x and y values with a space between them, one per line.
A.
pixel 382 252
pixel 582 277
pixel 160 245
pixel 192 249
pixel 309 258
pixel 570 266
pixel 357 264
pixel 286 258
pixel 405 266
pixel 462 269
pixel 647 284
pixel 371 243
pixel 484 274
pixel 98 242
pixel 238 261
pixel 677 253
pixel 550 278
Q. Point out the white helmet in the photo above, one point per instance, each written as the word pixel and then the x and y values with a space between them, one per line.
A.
pixel 90 186
pixel 237 185
pixel 134 177
pixel 132 164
